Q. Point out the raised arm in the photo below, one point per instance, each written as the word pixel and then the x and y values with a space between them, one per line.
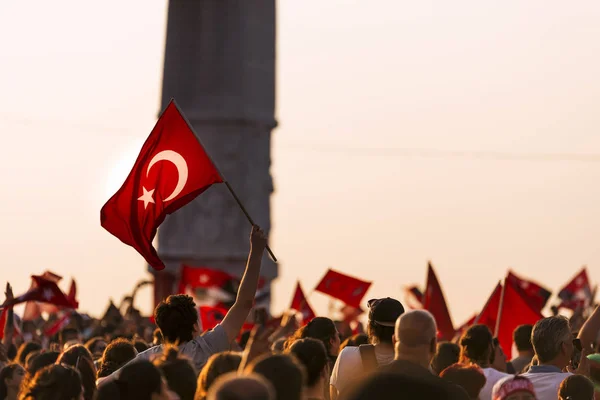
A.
pixel 9 327
pixel 589 330
pixel 235 318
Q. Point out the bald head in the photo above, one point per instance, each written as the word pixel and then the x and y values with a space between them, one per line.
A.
pixel 415 328
pixel 248 387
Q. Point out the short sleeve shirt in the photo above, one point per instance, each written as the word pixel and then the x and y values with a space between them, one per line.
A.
pixel 348 366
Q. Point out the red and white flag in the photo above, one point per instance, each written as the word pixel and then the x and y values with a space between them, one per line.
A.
pixel 576 293
pixel 300 304
pixel 435 303
pixel 201 277
pixel 171 170
pixel 59 325
pixel 45 291
pixel 348 289
pixel 536 295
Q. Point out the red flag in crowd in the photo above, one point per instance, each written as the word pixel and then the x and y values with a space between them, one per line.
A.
pixel 59 325
pixel 3 319
pixel 300 304
pixel 343 287
pixel 435 303
pixel 576 293
pixel 45 291
pixel 170 171
pixel 515 311
pixel 414 294
pixel 72 296
pixel 534 294
pixel 489 313
pixel 211 316
pixel 199 277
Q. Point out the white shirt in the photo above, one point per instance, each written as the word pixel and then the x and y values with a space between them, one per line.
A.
pixel 348 366
pixel 492 376
pixel 546 384
pixel 198 350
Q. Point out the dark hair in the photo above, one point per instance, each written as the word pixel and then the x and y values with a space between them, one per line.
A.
pixel 24 350
pixel 379 333
pixel 244 337
pixel 54 382
pixel 248 386
pixel 312 354
pixel 176 317
pixel 36 363
pixel 476 345
pixel 548 335
pixel 355 341
pixel 6 373
pixel 92 343
pixel 179 372
pixel 446 354
pixel 284 372
pixel 80 358
pixel 576 387
pixel 139 380
pixel 391 386
pixel 468 376
pixel 65 333
pixel 217 365
pixel 522 337
pixel 140 346
pixel 118 353
pixel 108 390
pixel 320 328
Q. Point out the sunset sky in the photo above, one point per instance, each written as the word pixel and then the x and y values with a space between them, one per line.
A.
pixel 464 132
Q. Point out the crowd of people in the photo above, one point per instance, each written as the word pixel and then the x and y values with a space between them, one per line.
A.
pixel 398 357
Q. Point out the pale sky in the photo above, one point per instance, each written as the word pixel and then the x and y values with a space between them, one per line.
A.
pixel 359 84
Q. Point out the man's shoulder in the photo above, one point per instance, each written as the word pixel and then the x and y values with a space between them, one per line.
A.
pixel 349 353
pixel 151 352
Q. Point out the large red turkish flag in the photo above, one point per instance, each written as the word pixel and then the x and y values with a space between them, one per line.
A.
pixel 346 288
pixel 300 304
pixel 515 310
pixel 170 171
pixel 435 303
pixel 536 295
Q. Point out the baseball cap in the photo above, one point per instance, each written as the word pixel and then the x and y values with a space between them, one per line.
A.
pixel 511 385
pixel 385 311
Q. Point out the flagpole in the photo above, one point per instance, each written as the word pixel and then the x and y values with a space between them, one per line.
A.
pixel 236 198
pixel 500 307
pixel 487 303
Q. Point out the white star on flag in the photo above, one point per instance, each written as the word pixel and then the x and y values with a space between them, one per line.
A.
pixel 203 279
pixel 147 197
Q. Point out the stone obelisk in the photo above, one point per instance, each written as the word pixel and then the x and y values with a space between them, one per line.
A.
pixel 220 68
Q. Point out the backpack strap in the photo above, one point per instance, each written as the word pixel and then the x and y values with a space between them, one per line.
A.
pixel 367 355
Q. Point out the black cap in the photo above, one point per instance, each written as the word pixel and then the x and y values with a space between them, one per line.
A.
pixel 385 312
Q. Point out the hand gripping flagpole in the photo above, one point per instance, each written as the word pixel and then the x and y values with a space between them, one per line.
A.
pixel 235 197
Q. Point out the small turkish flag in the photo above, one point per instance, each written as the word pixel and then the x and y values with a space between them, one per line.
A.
pixel 170 171
pixel 203 278
pixel 534 294
pixel 576 293
pixel 300 304
pixel 45 291
pixel 211 317
pixel 346 288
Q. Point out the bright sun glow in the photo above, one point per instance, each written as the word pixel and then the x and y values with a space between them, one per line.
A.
pixel 120 169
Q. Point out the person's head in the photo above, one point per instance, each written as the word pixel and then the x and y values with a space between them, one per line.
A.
pixel 118 353
pixel 514 388
pixel 322 329
pixel 468 376
pixel 179 373
pixel 278 346
pixel 576 387
pixel 312 354
pixel 10 379
pixel 141 381
pixel 54 382
pixel 24 351
pixel 177 318
pixel 284 372
pixel 355 341
pixel 416 337
pixel 552 341
pixel 217 365
pixel 140 346
pixel 446 354
pixel 38 362
pixel 522 338
pixel 477 346
pixel 96 346
pixel 247 387
pixel 80 358
pixel 383 314
pixel 69 335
